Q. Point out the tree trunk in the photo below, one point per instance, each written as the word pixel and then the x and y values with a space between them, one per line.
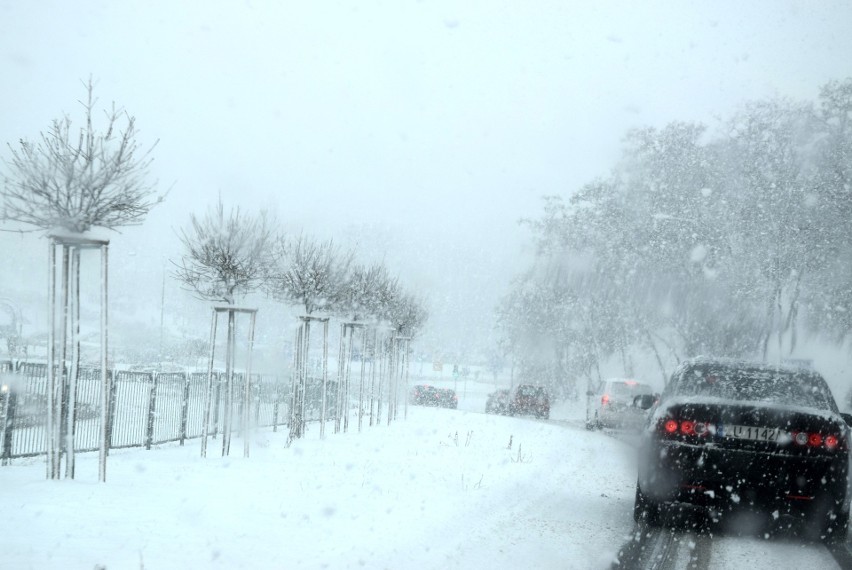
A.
pixel 656 355
pixel 767 333
pixel 228 416
pixel 793 312
pixel 74 375
pixel 669 346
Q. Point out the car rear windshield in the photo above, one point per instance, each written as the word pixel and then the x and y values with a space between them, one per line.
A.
pixel 778 386
pixel 629 389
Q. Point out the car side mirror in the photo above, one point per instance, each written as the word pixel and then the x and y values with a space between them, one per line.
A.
pixel 846 418
pixel 589 393
pixel 645 401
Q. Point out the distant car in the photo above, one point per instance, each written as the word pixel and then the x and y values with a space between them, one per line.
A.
pixel 612 404
pixel 423 395
pixel 528 399
pixel 497 402
pixel 426 395
pixel 447 398
pixel 728 434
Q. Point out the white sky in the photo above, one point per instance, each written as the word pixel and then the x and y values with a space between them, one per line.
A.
pixel 422 129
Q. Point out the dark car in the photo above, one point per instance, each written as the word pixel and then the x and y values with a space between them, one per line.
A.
pixel 497 402
pixel 447 398
pixel 426 395
pixel 527 399
pixel 728 435
pixel 423 395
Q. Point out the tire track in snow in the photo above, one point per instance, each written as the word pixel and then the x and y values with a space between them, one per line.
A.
pixel 699 559
pixel 630 553
pixel 659 549
pixel 648 548
pixel 664 554
pixel 841 554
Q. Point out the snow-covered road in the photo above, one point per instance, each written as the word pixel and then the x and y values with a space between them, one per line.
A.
pixel 440 489
pixel 682 546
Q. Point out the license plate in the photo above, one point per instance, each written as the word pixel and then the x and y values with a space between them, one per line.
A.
pixel 752 433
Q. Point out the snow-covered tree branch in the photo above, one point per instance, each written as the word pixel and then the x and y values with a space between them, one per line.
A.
pixel 78 178
pixel 225 255
pixel 306 272
pixel 700 242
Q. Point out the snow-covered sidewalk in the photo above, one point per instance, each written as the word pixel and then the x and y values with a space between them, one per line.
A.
pixel 440 489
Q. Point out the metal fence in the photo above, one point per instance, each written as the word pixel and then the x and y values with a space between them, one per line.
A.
pixel 145 408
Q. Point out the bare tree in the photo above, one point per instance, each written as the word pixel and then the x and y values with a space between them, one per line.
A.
pixel 75 179
pixel 308 273
pixel 371 292
pixel 407 314
pixel 71 180
pixel 362 297
pixel 225 255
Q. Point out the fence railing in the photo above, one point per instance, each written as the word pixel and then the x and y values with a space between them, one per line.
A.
pixel 145 408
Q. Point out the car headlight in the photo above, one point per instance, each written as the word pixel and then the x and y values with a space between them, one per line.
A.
pixel 4 388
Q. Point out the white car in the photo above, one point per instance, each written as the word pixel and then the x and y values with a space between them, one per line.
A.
pixel 612 404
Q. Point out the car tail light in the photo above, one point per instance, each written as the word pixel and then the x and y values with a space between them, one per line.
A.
pixel 605 399
pixel 815 439
pixel 689 428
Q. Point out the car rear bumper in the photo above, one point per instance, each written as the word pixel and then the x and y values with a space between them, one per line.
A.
pixel 715 477
pixel 621 417
pixel 533 408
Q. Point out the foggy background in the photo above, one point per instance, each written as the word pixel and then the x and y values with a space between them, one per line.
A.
pixel 417 132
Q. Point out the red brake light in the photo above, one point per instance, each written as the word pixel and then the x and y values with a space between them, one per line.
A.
pixel 803 438
pixel 689 428
pixel 605 399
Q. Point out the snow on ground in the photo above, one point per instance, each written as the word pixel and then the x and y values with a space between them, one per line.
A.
pixel 755 553
pixel 438 489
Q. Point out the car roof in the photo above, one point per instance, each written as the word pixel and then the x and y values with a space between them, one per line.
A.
pixel 744 364
pixel 628 381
